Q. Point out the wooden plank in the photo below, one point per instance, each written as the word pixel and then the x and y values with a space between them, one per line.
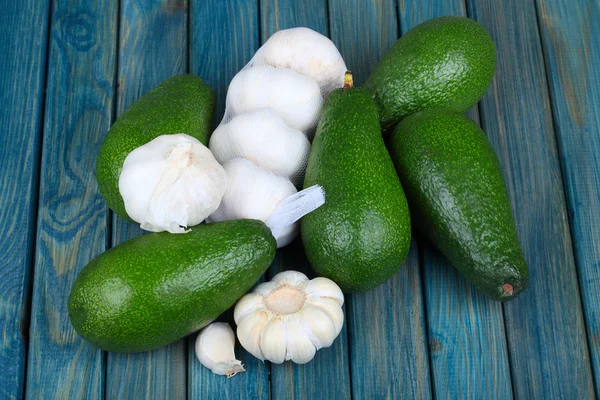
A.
pixel 571 44
pixel 72 217
pixel 153 45
pixel 545 329
pixel 224 36
pixel 386 326
pixel 465 330
pixel 330 365
pixel 24 29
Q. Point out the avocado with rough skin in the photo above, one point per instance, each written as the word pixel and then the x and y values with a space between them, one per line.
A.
pixel 456 191
pixel 445 62
pixel 181 104
pixel 155 289
pixel 360 237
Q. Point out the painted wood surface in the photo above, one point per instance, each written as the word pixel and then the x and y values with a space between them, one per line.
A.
pixel 571 43
pixel 153 46
pixel 223 38
pixel 465 330
pixel 386 326
pixel 545 328
pixel 24 33
pixel 72 217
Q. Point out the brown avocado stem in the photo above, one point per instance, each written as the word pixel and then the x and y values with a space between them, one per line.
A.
pixel 508 289
pixel 348 81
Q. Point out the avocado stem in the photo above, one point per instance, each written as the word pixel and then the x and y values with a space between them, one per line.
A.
pixel 508 289
pixel 348 81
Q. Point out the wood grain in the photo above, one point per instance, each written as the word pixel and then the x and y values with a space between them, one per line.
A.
pixel 386 325
pixel 571 44
pixel 72 217
pixel 153 45
pixel 465 330
pixel 24 33
pixel 223 37
pixel 547 344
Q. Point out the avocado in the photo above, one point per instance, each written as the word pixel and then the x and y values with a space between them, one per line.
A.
pixel 456 191
pixel 155 289
pixel 360 237
pixel 445 62
pixel 181 104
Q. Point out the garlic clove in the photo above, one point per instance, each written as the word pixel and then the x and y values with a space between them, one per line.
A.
pixel 170 183
pixel 215 349
pixel 291 278
pixel 332 308
pixel 247 305
pixel 265 288
pixel 324 287
pixel 273 341
pixel 249 332
pixel 319 326
pixel 299 347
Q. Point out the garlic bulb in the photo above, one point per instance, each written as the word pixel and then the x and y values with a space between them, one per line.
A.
pixel 306 52
pixel 254 192
pixel 170 183
pixel 263 138
pixel 294 97
pixel 215 349
pixel 290 317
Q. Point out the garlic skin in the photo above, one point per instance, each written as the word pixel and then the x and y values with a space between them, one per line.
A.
pixel 307 52
pixel 290 317
pixel 294 97
pixel 170 183
pixel 215 349
pixel 253 192
pixel 263 138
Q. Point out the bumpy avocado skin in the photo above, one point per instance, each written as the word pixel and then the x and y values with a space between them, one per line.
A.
pixel 361 235
pixel 155 289
pixel 445 62
pixel 181 104
pixel 456 191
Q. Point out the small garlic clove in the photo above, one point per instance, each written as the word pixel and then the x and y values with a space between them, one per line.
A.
pixel 249 332
pixel 326 288
pixel 332 308
pixel 291 278
pixel 273 341
pixel 215 349
pixel 319 326
pixel 299 347
pixel 247 305
pixel 265 288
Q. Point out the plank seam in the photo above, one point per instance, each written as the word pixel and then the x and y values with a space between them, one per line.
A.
pixel 421 256
pixel 559 152
pixel 26 310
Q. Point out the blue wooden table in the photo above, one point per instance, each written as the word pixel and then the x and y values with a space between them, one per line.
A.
pixel 68 68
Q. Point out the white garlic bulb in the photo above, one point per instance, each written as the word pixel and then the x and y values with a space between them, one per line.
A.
pixel 294 97
pixel 170 183
pixel 290 317
pixel 263 138
pixel 215 349
pixel 306 52
pixel 254 192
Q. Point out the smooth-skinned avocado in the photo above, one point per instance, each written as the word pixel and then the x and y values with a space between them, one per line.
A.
pixel 155 289
pixel 458 197
pixel 445 62
pixel 360 237
pixel 181 104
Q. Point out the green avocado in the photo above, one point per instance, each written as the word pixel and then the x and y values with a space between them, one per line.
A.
pixel 445 62
pixel 181 104
pixel 458 197
pixel 361 235
pixel 155 289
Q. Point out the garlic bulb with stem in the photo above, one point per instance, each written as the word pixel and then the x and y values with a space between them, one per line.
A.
pixel 290 317
pixel 171 183
pixel 263 138
pixel 215 349
pixel 306 52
